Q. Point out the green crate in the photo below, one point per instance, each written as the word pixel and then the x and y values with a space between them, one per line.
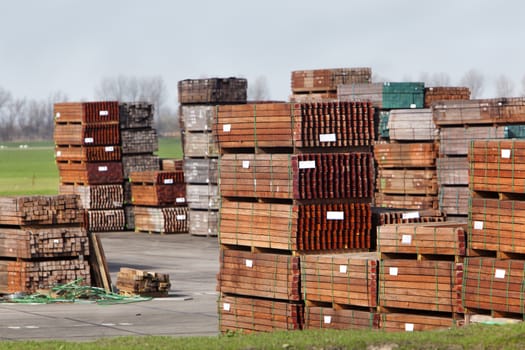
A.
pixel 403 95
pixel 514 131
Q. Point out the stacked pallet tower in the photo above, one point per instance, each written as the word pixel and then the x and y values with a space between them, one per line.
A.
pixel 296 180
pixel 89 159
pixel 139 143
pixel 159 201
pixel 42 243
pixel 495 264
pixel 198 99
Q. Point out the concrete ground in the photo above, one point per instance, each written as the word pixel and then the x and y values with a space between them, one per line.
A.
pixel 191 309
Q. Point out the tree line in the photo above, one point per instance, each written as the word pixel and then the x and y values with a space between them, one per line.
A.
pixel 23 119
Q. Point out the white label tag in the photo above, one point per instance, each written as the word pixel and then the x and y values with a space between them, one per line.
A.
pixel 393 271
pixel 342 268
pixel 226 307
pixel 227 127
pixel 411 215
pixel 249 263
pixel 110 149
pixel 505 153
pixel 168 181
pixel 409 327
pixel 307 164
pixel 181 217
pixel 88 140
pixel 499 273
pixel 57 115
pixel 103 113
pixel 180 200
pixel 478 225
pixel 327 319
pixel 56 241
pixel 103 168
pixel 59 153
pixel 245 164
pixel 406 239
pixel 335 215
pixel 413 105
pixel 327 138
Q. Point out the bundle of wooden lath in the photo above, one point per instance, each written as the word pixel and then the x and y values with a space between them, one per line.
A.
pixel 144 283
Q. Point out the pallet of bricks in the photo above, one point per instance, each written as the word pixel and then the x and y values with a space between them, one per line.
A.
pixel 493 283
pixel 159 201
pixel 89 159
pixel 420 275
pixel 42 243
pixel 139 143
pixel 296 180
pixel 198 99
pixel 459 122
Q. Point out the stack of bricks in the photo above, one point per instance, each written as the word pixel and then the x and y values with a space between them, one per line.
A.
pixel 42 243
pixel 89 160
pixel 198 99
pixel 139 143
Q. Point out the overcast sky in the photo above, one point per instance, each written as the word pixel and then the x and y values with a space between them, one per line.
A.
pixel 70 45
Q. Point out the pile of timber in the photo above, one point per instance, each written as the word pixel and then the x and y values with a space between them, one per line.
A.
pixel 88 153
pixel 139 144
pixel 463 121
pixel 493 272
pixel 388 95
pixel 199 101
pixel 300 125
pixel 321 84
pixel 42 243
pixel 327 317
pixel 143 283
pixel 406 174
pixel 159 200
pixel 421 275
pixel 298 176
pixel 169 164
pixel 445 93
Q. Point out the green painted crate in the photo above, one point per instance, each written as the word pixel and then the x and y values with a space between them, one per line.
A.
pixel 403 95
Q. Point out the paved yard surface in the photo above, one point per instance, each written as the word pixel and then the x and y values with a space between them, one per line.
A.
pixel 191 309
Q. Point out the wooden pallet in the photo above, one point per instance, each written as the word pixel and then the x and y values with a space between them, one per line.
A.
pixel 455 141
pixel 198 118
pixel 303 176
pixel 161 220
pixel 86 135
pixel 99 173
pixel 212 91
pixel 203 196
pixel 441 238
pixel 105 220
pixel 319 317
pixel 264 275
pixel 412 125
pixel 493 284
pixel 454 200
pixel 97 196
pixel 496 225
pixel 136 115
pixel 483 111
pixel 410 322
pixel 102 112
pixel 43 242
pixel 204 222
pixel 201 171
pixel 143 283
pixel 328 79
pixel 452 171
pixel 88 154
pixel 445 93
pixel 407 181
pixel 248 315
pixel 40 210
pixel 295 227
pixel 136 141
pixel 497 166
pixel 405 155
pixel 427 285
pixel 342 279
pixel 32 276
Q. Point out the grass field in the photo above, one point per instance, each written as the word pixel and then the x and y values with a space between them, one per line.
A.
pixel 478 337
pixel 32 170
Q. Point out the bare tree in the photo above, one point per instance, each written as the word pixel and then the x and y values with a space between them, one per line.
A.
pixel 440 79
pixel 425 78
pixel 523 86
pixel 474 80
pixel 376 78
pixel 504 86
pixel 258 91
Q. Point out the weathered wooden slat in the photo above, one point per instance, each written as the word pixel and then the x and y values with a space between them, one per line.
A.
pixel 201 144
pixel 201 171
pixel 139 162
pixel 401 155
pixel 455 141
pixel 452 171
pixel 212 91
pixel 198 118
pixel 412 125
pixel 136 115
pixel 407 181
pixel 328 79
pixel 203 196
pixel 258 315
pixel 445 93
pixel 136 141
pixel 454 200
pixel 203 222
